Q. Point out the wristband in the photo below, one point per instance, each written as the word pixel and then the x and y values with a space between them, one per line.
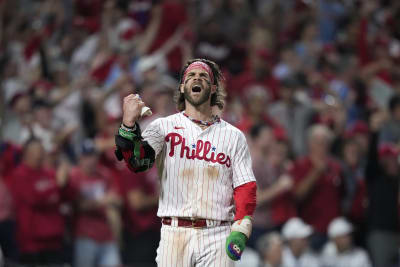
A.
pixel 128 129
pixel 130 135
pixel 243 226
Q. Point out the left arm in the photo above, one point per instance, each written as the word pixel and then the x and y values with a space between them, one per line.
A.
pixel 245 197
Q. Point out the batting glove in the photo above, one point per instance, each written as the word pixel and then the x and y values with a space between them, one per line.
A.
pixel 236 241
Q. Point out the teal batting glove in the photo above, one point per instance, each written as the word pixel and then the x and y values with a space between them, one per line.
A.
pixel 236 241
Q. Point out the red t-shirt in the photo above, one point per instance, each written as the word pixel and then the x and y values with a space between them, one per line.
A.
pixel 137 221
pixel 91 223
pixel 37 198
pixel 322 204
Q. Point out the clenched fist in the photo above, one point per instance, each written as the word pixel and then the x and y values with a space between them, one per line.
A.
pixel 132 108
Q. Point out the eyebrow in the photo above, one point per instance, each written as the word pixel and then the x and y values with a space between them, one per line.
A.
pixel 201 73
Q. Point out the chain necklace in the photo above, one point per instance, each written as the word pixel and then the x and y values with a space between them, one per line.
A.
pixel 214 119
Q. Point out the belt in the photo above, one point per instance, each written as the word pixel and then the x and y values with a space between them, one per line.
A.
pixel 190 223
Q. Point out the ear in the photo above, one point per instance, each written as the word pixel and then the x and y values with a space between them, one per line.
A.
pixel 182 88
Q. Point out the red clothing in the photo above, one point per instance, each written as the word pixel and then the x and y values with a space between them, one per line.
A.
pixel 6 207
pixel 240 85
pixel 9 159
pixel 81 187
pixel 283 208
pixel 40 225
pixel 322 204
pixel 245 123
pixel 137 221
pixel 173 16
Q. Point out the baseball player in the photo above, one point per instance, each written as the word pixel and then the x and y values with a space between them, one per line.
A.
pixel 208 190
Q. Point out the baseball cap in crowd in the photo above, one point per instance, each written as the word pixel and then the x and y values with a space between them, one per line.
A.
pixel 87 147
pixel 338 227
pixel 296 228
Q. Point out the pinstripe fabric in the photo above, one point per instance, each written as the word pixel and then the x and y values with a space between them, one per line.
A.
pixel 195 184
pixel 198 170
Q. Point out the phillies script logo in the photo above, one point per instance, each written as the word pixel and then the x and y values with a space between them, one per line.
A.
pixel 199 152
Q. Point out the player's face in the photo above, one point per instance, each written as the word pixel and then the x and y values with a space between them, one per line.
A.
pixel 197 87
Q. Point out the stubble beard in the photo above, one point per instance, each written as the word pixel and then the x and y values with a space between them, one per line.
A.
pixel 203 98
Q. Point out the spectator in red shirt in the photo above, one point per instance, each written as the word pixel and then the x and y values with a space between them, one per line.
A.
pixel 9 159
pixel 141 224
pixel 318 178
pixel 7 223
pixel 275 203
pixel 37 197
pixel 93 194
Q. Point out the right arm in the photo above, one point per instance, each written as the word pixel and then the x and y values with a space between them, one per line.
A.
pixel 305 186
pixel 138 152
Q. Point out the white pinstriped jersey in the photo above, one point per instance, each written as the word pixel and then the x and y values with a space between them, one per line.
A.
pixel 198 168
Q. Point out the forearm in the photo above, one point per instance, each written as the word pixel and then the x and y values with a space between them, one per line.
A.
pixel 245 201
pixel 245 197
pixel 138 154
pixel 266 195
pixel 305 186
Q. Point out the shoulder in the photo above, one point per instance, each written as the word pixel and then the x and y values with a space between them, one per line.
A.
pixel 229 129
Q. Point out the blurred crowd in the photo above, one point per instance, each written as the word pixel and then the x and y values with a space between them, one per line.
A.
pixel 314 85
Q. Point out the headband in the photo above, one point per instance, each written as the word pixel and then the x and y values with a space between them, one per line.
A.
pixel 200 65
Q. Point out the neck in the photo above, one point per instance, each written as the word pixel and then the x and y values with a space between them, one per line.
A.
pixel 202 112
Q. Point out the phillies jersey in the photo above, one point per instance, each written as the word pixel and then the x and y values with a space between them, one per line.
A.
pixel 198 168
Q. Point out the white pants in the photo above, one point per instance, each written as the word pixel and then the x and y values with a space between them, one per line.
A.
pixel 186 247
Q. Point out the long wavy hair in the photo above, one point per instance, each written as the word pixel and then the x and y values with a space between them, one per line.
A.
pixel 217 98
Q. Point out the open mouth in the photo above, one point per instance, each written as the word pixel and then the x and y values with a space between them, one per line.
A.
pixel 196 89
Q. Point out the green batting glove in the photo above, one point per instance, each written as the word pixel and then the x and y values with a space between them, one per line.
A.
pixel 236 241
pixel 235 244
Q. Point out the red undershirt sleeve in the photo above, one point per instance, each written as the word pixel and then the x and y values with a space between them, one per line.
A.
pixel 245 197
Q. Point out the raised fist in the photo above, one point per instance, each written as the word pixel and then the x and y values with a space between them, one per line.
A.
pixel 132 108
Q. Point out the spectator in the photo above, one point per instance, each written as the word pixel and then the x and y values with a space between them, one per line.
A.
pixel 296 252
pixel 141 224
pixel 7 223
pixel 17 118
pixel 317 179
pixel 37 197
pixel 275 203
pixel 293 115
pixel 340 251
pixel 270 248
pixel 354 199
pixel 255 110
pixel 9 159
pixel 382 176
pixel 41 125
pixel 258 74
pixel 93 193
